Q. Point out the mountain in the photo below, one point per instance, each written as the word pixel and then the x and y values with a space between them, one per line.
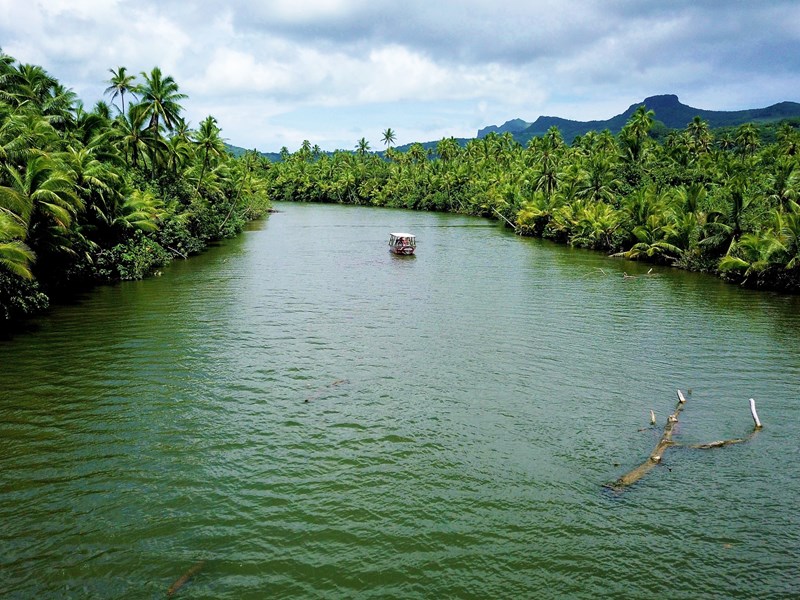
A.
pixel 512 126
pixel 670 114
pixel 668 110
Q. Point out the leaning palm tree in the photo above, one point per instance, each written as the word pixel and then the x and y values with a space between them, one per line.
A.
pixel 121 84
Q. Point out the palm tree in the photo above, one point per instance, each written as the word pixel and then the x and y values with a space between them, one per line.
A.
pixel 784 183
pixel 653 242
pixel 753 254
pixel 388 137
pixel 594 226
pixel 788 140
pixel 41 198
pixel 787 225
pixel 160 97
pixel 15 256
pixel 121 84
pixel 30 83
pixel 747 139
pixel 59 106
pixel 24 133
pixel 700 134
pixel 536 213
pixel 634 134
pixel 129 135
pixel 209 143
pixel 97 183
pixel 599 182
pixel 362 147
pixel 141 210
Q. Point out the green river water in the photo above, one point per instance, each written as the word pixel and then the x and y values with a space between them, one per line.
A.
pixel 314 417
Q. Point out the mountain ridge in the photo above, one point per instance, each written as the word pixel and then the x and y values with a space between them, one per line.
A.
pixel 668 110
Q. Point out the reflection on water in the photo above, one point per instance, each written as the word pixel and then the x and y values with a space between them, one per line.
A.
pixel 316 417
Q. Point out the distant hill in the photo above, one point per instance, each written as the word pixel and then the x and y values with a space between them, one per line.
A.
pixel 513 126
pixel 668 110
pixel 238 151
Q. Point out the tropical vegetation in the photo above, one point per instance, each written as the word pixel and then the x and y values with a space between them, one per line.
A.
pixel 115 192
pixel 109 193
pixel 726 203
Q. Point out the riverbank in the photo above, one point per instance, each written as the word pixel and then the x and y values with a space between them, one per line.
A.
pixel 723 205
pixel 110 194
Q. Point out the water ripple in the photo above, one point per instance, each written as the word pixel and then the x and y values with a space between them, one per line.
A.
pixel 340 424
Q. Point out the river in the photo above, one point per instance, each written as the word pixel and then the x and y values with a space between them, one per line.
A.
pixel 314 417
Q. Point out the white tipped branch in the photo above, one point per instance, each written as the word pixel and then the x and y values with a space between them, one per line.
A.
pixel 754 413
pixel 665 442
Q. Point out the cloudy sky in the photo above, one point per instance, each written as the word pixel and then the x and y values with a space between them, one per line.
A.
pixel 276 72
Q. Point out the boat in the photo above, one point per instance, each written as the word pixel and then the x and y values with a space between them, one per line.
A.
pixel 402 243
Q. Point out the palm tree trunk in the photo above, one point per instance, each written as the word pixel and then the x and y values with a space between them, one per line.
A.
pixel 202 172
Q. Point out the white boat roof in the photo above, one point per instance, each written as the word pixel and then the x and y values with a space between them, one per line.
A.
pixel 403 234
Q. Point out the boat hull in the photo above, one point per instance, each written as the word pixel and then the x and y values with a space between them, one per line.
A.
pixel 402 250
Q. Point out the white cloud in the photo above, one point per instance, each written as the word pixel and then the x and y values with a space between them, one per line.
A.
pixel 275 73
pixel 312 10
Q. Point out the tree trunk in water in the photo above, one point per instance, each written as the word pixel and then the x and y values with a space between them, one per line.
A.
pixel 665 442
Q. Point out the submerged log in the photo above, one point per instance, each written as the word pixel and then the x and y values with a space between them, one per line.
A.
pixel 718 444
pixel 721 443
pixel 181 581
pixel 665 442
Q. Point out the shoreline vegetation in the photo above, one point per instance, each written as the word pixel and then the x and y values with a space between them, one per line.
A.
pixel 723 202
pixel 112 193
pixel 116 192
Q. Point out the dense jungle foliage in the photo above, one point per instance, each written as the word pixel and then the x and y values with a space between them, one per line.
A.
pixel 111 193
pixel 91 196
pixel 726 205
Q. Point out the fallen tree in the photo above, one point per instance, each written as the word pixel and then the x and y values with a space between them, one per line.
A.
pixel 665 442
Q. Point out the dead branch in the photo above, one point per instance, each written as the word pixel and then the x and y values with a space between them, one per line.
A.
pixel 499 214
pixel 665 442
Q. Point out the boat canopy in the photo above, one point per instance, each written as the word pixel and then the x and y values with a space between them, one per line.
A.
pixel 404 240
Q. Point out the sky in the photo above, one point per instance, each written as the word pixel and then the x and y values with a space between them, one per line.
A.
pixel 277 72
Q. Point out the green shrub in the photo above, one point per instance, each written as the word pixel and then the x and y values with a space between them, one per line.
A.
pixel 133 259
pixel 19 298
